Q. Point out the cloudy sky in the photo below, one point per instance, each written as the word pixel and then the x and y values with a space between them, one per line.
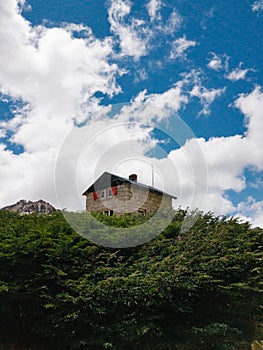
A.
pixel 121 86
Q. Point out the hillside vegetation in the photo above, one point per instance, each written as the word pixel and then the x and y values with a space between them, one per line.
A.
pixel 201 289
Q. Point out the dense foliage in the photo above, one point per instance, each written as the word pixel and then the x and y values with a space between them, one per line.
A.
pixel 201 289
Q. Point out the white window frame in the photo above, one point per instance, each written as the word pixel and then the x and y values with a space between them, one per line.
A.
pixel 142 212
pixel 108 212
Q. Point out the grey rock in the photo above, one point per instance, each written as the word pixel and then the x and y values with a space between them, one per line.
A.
pixel 30 207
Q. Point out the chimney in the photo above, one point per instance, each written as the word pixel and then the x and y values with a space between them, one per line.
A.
pixel 133 177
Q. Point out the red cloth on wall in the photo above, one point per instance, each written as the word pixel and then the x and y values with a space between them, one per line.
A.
pixel 114 190
pixel 95 195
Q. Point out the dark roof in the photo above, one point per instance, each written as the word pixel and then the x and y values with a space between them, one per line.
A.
pixel 110 180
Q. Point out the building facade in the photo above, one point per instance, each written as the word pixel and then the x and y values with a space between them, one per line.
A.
pixel 111 194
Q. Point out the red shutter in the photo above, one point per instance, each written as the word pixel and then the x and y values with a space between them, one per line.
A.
pixel 114 190
pixel 95 196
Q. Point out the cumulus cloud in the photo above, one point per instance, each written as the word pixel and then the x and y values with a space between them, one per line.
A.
pixel 257 6
pixel 55 75
pixel 215 63
pixel 199 172
pixel 206 189
pixel 206 96
pixel 2 133
pixel 237 74
pixel 179 47
pixel 257 183
pixel 140 75
pixel 218 62
pixel 172 24
pixel 251 106
pixel 151 109
pixel 251 211
pixel 153 8
pixel 133 35
pixel 105 145
pixel 221 62
pixel 225 159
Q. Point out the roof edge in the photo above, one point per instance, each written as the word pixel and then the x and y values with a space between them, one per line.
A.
pixel 139 184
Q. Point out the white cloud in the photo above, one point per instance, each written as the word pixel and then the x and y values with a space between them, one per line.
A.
pixel 218 62
pixel 237 74
pixel 221 62
pixel 206 96
pixel 55 76
pixel 179 46
pixel 100 146
pixel 153 8
pixel 251 106
pixel 152 108
pixel 201 171
pixel 77 28
pixel 257 6
pixel 133 36
pixel 172 24
pixel 2 133
pixel 215 63
pixel 251 211
pixel 209 173
pixel 140 75
pixel 24 5
pixel 52 71
pixel 225 159
pixel 257 183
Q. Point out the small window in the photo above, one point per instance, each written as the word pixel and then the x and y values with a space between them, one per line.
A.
pixel 108 212
pixel 102 195
pixel 109 193
pixel 142 212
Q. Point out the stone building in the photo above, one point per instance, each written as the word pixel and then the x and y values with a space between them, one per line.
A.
pixel 112 194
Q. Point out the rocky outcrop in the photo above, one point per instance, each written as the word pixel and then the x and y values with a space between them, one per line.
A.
pixel 29 207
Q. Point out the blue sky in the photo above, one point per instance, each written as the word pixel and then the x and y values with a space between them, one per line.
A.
pixel 83 66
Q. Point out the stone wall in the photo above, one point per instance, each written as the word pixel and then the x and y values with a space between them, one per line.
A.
pixel 130 198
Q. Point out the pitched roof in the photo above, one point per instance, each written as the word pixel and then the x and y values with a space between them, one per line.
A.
pixel 110 180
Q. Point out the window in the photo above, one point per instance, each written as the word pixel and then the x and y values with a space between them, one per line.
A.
pixel 142 212
pixel 108 212
pixel 108 193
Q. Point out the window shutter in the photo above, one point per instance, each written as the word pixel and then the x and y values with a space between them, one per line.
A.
pixel 114 190
pixel 95 196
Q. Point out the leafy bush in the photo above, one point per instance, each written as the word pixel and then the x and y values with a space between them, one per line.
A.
pixel 200 289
